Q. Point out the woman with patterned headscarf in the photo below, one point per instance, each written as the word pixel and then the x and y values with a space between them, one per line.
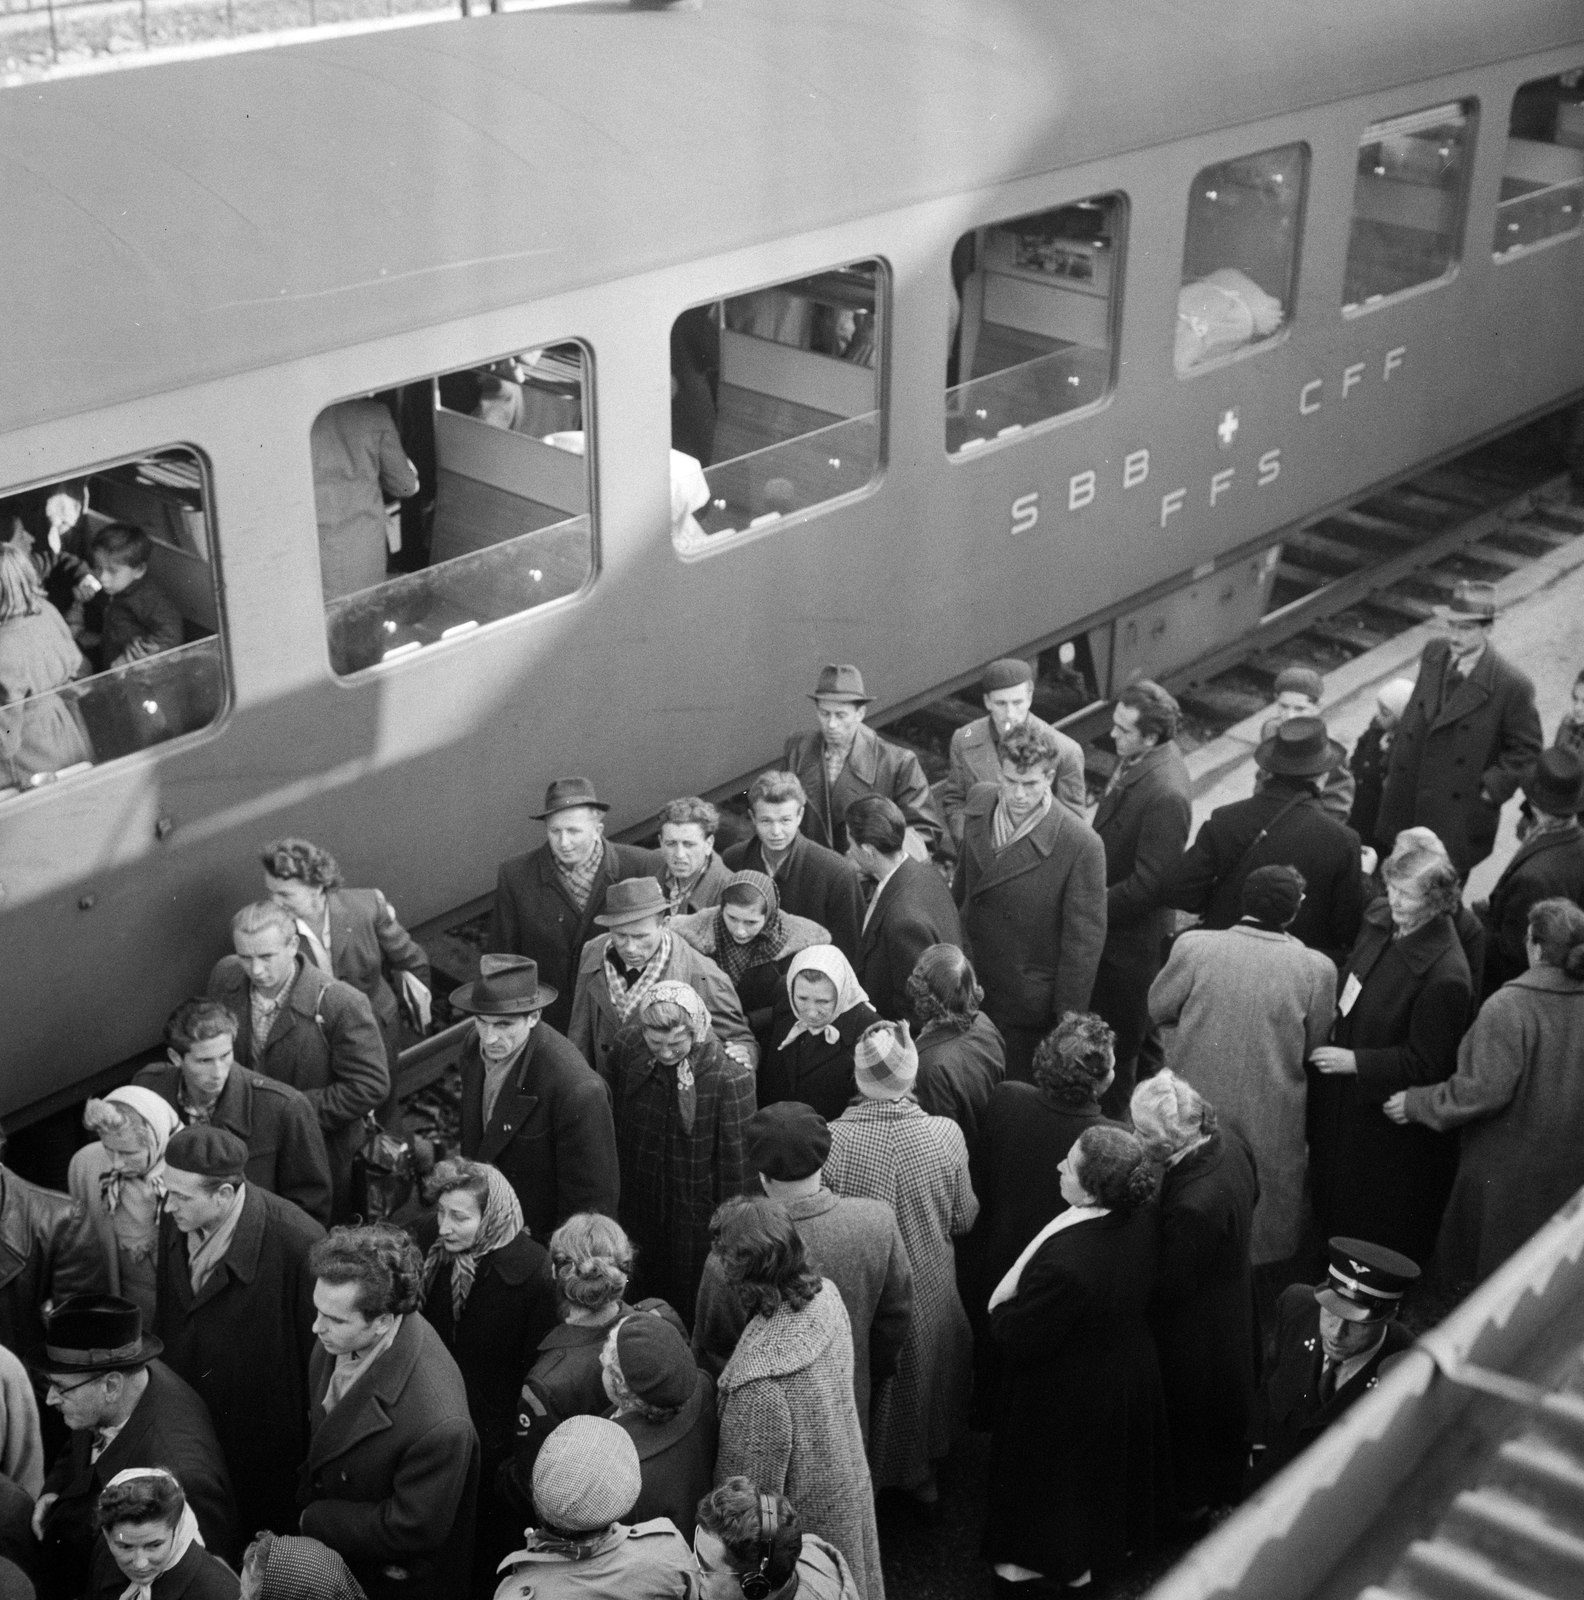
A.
pixel 120 1182
pixel 281 1566
pixel 752 940
pixel 682 1106
pixel 821 1015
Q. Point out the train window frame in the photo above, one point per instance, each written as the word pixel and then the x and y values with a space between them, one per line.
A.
pixel 1234 295
pixel 1405 124
pixel 114 710
pixel 1546 172
pixel 580 444
pixel 1012 433
pixel 688 545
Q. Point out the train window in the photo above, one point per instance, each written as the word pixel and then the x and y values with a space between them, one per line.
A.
pixel 452 502
pixel 1408 199
pixel 1036 303
pixel 1240 254
pixel 1542 192
pixel 109 617
pixel 775 401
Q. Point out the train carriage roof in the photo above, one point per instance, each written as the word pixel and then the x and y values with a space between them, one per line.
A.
pixel 181 222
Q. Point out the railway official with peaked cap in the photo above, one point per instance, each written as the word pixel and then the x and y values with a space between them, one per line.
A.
pixel 546 901
pixel 1331 1338
pixel 531 1105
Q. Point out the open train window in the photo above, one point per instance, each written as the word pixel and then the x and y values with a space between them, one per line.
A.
pixel 1240 254
pixel 1408 199
pixel 109 617
pixel 1542 192
pixel 452 502
pixel 1037 303
pixel 775 401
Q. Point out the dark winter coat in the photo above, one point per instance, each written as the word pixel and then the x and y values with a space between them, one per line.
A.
pixel 958 1071
pixel 1143 824
pixel 392 1473
pixel 286 1150
pixel 913 910
pixel 197 1576
pixel 1544 865
pixel 1202 1316
pixel 809 1069
pixel 243 1343
pixel 873 766
pixel 551 1132
pixel 1370 1178
pixel 1080 1465
pixel 676 1458
pixel 535 916
pixel 813 882
pixel 47 1251
pixel 1368 766
pixel 1456 761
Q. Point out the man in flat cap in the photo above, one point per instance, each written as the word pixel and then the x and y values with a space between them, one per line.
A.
pixel 856 1243
pixel 235 1301
pixel 847 759
pixel 531 1105
pixel 546 901
pixel 1331 1339
pixel 1008 690
pixel 1468 738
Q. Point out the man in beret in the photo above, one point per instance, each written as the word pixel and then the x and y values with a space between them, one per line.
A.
pixel 235 1302
pixel 855 1243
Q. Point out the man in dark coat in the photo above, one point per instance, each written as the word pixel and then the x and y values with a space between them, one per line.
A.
pixel 546 901
pixel 236 1304
pixel 1468 738
pixel 812 881
pixel 391 1479
pixel 47 1251
pixel 1330 1341
pixel 110 1390
pixel 1142 820
pixel 1283 825
pixel 298 1025
pixel 1549 862
pixel 200 1077
pixel 847 760
pixel 531 1105
pixel 961 1054
pixel 910 909
pixel 1030 886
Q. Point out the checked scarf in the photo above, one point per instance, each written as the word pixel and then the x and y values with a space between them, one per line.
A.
pixel 626 993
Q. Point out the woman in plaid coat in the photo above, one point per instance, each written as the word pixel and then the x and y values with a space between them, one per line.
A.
pixel 681 1107
pixel 886 1147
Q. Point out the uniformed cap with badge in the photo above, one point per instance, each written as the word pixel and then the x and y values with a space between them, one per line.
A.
pixel 1365 1282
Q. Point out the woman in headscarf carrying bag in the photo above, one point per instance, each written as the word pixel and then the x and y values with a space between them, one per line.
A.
pixel 821 1019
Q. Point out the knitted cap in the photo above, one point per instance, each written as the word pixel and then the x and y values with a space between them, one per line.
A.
pixel 885 1062
pixel 655 1361
pixel 787 1140
pixel 1303 680
pixel 1007 673
pixel 207 1152
pixel 587 1475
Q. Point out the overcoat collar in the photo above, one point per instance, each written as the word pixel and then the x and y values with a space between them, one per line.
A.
pixel 365 1409
pixel 1023 855
pixel 1418 951
pixel 551 881
pixel 1157 755
pixel 1537 844
pixel 241 1261
pixel 514 1104
pixel 1472 692
pixel 864 756
pixel 885 898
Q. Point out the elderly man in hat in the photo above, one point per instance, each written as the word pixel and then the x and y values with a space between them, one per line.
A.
pixel 587 1478
pixel 847 759
pixel 975 755
pixel 125 1408
pixel 854 1242
pixel 638 951
pixel 531 1105
pixel 1549 862
pixel 236 1300
pixel 1468 738
pixel 1299 691
pixel 1331 1339
pixel 546 901
pixel 1284 824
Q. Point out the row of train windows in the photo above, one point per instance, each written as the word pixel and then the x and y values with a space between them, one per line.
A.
pixel 464 499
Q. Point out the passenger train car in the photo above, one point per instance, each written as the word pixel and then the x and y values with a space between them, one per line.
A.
pixel 725 343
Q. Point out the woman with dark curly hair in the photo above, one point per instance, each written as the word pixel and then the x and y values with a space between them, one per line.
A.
pixel 1079 1459
pixel 962 1056
pixel 788 1420
pixel 149 1546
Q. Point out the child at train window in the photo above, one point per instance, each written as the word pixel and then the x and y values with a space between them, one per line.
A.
pixel 140 619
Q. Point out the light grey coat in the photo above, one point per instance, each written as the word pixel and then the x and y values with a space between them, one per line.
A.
pixel 1245 1007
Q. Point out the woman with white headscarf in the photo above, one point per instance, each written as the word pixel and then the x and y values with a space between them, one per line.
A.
pixel 681 1106
pixel 819 1023
pixel 120 1181
pixel 150 1547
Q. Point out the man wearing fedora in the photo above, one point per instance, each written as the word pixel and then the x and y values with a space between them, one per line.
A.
pixel 1549 862
pixel 847 759
pixel 125 1408
pixel 1331 1339
pixel 546 901
pixel 531 1105
pixel 1468 737
pixel 638 951
pixel 1284 824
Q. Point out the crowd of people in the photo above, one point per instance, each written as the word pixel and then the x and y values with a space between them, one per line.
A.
pixel 783 1166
